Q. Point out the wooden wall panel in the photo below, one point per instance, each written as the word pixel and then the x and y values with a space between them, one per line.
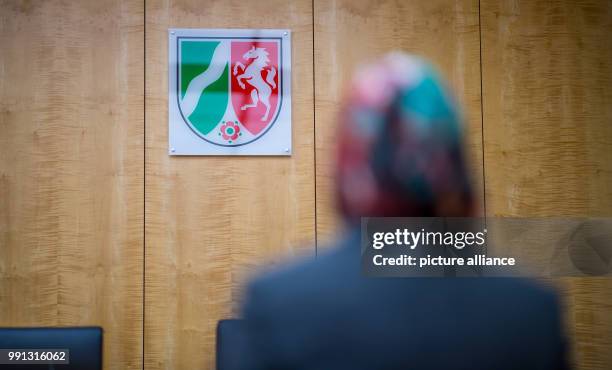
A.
pixel 547 95
pixel 349 32
pixel 211 220
pixel 71 154
pixel 71 169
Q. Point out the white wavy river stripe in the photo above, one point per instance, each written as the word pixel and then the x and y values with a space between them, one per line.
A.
pixel 204 79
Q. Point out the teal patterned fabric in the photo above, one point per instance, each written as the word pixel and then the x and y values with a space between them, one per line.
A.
pixel 400 144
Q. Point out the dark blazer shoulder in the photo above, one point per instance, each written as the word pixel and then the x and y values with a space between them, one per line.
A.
pixel 299 280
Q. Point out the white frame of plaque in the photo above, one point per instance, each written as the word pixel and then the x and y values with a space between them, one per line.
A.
pixel 275 139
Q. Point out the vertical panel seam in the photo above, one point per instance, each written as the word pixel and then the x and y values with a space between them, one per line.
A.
pixel 314 123
pixel 144 173
pixel 484 178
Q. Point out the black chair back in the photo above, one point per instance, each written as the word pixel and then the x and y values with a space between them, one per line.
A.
pixel 230 344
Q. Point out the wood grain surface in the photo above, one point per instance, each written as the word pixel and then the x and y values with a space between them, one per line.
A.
pixel 210 221
pixel 89 196
pixel 351 32
pixel 547 98
pixel 71 169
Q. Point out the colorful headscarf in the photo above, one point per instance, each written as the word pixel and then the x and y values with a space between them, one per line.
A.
pixel 400 144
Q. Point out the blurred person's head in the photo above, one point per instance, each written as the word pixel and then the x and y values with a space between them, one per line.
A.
pixel 401 144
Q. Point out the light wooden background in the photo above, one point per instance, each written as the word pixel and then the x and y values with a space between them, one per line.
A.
pixel 98 226
pixel 547 94
pixel 209 221
pixel 71 169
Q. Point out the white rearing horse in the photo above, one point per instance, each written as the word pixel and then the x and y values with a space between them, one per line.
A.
pixel 252 74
